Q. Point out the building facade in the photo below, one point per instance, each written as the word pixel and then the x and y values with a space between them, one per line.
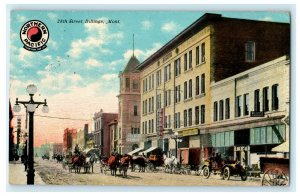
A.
pixel 101 131
pixel 82 137
pixel 248 112
pixel 176 93
pixel 69 135
pixel 129 108
pixel 57 148
pixel 114 136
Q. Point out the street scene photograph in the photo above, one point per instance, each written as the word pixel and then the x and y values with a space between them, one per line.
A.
pixel 149 98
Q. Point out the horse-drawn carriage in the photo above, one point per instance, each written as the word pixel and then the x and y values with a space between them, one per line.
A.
pixel 275 171
pixel 45 156
pixel 226 169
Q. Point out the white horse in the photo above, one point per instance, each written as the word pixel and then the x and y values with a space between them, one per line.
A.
pixel 170 163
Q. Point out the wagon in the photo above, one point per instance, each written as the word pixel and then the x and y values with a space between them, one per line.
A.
pixel 225 168
pixel 275 171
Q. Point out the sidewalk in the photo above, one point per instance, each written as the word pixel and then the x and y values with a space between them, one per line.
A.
pixel 17 175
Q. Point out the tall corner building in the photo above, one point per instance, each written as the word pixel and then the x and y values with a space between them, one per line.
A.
pixel 176 85
pixel 128 131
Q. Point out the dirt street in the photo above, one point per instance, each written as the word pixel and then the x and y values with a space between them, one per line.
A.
pixel 53 173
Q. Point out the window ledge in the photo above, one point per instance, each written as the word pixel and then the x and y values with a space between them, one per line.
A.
pixel 188 99
pixel 189 70
pixel 150 112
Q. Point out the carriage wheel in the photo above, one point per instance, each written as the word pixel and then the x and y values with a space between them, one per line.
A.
pixel 206 172
pixel 274 177
pixel 243 175
pixel 150 167
pixel 226 173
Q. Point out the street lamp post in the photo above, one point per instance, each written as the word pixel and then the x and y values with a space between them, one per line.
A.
pixel 25 154
pixel 176 142
pixel 31 106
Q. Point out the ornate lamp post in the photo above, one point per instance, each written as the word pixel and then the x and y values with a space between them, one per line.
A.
pixel 30 106
pixel 176 142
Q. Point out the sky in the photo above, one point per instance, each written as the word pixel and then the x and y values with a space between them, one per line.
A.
pixel 78 71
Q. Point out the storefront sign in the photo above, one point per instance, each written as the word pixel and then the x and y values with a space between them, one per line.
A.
pixel 189 132
pixel 160 123
pixel 257 114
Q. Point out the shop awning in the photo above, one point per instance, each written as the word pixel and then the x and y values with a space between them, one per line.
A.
pixel 283 147
pixel 148 150
pixel 135 151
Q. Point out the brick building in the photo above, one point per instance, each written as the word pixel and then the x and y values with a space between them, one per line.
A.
pixel 101 131
pixel 129 107
pixel 69 135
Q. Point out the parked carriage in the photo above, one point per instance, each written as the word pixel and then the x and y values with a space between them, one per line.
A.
pixel 275 171
pixel 226 169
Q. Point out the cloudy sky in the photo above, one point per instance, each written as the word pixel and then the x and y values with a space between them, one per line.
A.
pixel 78 71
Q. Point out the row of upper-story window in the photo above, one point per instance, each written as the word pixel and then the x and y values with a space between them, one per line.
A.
pixel 242 104
pixel 148 104
pixel 149 81
pixel 129 82
pixel 187 116
pixel 97 125
pixel 148 126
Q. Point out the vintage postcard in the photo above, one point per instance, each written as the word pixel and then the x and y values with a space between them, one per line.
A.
pixel 149 98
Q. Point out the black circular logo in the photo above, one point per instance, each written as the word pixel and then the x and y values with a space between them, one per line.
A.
pixel 34 35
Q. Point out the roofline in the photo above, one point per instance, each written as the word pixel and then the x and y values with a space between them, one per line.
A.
pixel 201 20
pixel 205 17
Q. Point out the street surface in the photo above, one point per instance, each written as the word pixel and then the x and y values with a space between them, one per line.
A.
pixel 52 173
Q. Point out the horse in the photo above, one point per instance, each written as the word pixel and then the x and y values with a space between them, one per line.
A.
pixel 170 163
pixel 59 158
pixel 103 164
pixel 138 160
pixel 78 162
pixel 90 162
pixel 113 163
pixel 124 163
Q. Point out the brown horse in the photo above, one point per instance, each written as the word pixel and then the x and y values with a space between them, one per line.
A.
pixel 113 163
pixel 124 164
pixel 78 162
pixel 138 160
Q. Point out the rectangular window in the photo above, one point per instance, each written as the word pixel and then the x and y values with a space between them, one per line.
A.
pixel 256 101
pixel 127 82
pixel 177 94
pixel 185 90
pixel 146 104
pixel 221 110
pixel 250 51
pixel 135 110
pixel 238 106
pixel 227 108
pixel 202 83
pixel 150 82
pixel 149 124
pixel 143 128
pixel 185 118
pixel 177 120
pixel 143 108
pixel 169 97
pixel 146 84
pixel 185 61
pixel 165 98
pixel 275 100
pixel 135 84
pixel 202 114
pixel 158 101
pixel 197 55
pixel 202 52
pixel 152 105
pixel 265 99
pixel 167 73
pixel 197 112
pixel 190 88
pixel 158 77
pixel 190 116
pixel 146 127
pixel 246 104
pixel 149 110
pixel 190 59
pixel 177 67
pixel 197 86
pixel 215 111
